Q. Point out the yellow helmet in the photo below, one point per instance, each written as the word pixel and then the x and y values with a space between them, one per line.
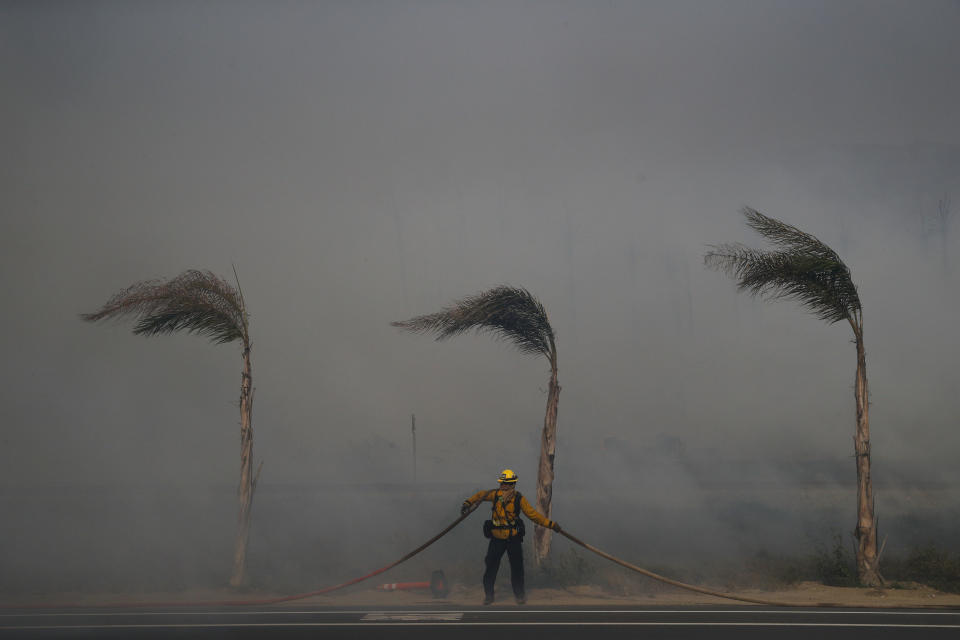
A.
pixel 508 476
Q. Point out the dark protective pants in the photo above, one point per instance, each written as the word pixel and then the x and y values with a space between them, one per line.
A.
pixel 514 549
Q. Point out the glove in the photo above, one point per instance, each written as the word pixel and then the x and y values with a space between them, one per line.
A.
pixel 556 527
pixel 465 508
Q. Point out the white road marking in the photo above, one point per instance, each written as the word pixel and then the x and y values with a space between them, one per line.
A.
pixel 411 617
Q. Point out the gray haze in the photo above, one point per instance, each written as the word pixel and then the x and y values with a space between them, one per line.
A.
pixel 362 162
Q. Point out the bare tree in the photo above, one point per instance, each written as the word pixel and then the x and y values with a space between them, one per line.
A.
pixel 806 270
pixel 199 302
pixel 518 317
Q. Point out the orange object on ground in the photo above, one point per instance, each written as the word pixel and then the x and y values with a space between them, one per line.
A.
pixel 403 586
pixel 437 585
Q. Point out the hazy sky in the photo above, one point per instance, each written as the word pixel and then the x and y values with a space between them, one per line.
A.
pixel 362 162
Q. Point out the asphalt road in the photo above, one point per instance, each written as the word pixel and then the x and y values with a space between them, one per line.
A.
pixel 478 623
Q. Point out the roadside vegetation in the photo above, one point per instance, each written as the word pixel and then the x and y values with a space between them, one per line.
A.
pixel 833 564
pixel 830 563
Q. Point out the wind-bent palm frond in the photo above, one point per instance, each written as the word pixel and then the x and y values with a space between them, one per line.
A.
pixel 804 270
pixel 510 313
pixel 195 301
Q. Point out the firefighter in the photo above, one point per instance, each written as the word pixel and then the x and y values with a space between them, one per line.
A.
pixel 505 530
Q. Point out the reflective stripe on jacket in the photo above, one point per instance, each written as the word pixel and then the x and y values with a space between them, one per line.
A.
pixel 503 511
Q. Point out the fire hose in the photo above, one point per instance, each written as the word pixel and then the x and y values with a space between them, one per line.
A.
pixel 260 601
pixel 683 585
pixel 445 531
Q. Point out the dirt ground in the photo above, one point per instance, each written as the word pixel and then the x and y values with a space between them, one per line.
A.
pixel 806 593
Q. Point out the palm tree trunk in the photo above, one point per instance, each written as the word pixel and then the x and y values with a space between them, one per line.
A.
pixel 868 569
pixel 548 445
pixel 247 481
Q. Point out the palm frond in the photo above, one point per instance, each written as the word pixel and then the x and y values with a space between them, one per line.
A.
pixel 805 270
pixel 195 301
pixel 786 236
pixel 509 313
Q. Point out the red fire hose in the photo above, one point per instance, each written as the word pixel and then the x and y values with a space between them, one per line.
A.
pixel 237 603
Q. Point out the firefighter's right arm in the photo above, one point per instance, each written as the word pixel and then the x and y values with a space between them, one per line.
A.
pixel 479 496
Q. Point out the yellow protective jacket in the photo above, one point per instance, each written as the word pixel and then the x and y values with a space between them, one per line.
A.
pixel 503 512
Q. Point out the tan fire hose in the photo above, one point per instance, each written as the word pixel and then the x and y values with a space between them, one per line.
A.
pixel 689 587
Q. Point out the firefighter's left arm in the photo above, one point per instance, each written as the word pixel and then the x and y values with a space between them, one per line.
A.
pixel 535 515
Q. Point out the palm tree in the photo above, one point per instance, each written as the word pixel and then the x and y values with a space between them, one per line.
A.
pixel 517 316
pixel 806 270
pixel 200 302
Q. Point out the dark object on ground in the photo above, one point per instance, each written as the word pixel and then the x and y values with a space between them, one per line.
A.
pixel 438 584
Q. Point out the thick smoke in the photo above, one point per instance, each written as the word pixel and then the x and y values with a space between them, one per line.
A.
pixel 365 162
